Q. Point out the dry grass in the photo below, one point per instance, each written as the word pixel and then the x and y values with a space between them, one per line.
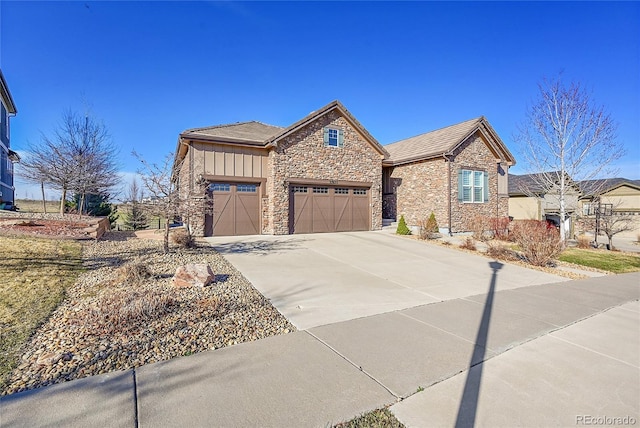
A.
pixel 500 251
pixel 35 275
pixel 126 310
pixel 468 244
pixel 133 274
pixel 35 206
pixel 584 242
pixel 183 239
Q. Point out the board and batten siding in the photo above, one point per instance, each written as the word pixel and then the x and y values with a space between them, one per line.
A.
pixel 229 161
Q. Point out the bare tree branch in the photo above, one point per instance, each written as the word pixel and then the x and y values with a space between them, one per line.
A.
pixel 566 137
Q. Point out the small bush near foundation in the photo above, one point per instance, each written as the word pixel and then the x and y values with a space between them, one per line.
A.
pixel 402 227
pixel 469 244
pixel 429 228
pixel 584 242
pixel 539 243
pixel 500 228
pixel 182 238
pixel 499 251
pixel 480 226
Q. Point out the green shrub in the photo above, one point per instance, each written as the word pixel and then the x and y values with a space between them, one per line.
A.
pixel 402 227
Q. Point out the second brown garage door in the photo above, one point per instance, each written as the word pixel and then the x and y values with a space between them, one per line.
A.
pixel 236 210
pixel 317 209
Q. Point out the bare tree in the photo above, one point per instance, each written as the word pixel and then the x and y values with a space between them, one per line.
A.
pixel 166 199
pixel 609 219
pixel 79 156
pixel 162 191
pixel 565 138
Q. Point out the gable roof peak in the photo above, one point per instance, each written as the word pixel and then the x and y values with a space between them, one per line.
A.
pixel 443 141
pixel 314 115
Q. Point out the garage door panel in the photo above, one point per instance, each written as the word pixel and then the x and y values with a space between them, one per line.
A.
pixel 361 212
pixel 322 213
pixel 329 209
pixel 236 210
pixel 302 210
pixel 222 214
pixel 247 205
pixel 343 213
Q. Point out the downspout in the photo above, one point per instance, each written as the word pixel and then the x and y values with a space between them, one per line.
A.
pixel 498 169
pixel 448 161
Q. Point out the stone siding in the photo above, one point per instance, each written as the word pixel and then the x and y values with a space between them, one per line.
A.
pixel 475 154
pixel 303 155
pixel 422 187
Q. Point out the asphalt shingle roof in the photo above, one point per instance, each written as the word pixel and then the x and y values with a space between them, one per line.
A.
pixel 533 183
pixel 589 187
pixel 432 143
pixel 251 132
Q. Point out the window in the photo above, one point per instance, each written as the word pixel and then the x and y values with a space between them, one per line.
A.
pixel 247 188
pixel 220 187
pixel 320 190
pixel 341 191
pixel 299 189
pixel 359 191
pixel 473 186
pixel 333 137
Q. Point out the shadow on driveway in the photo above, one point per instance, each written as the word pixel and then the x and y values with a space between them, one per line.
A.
pixel 260 247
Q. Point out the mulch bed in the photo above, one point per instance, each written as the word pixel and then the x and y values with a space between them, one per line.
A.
pixel 63 229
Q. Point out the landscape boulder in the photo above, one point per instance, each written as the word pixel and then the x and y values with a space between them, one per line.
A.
pixel 193 275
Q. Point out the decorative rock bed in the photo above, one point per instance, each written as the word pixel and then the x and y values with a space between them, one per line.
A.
pixel 113 320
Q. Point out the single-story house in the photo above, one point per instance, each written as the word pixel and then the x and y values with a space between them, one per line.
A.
pixel 536 197
pixel 457 172
pixel 326 173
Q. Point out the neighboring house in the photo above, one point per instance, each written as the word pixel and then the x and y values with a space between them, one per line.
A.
pixel 324 173
pixel 458 172
pixel 531 198
pixel 614 196
pixel 7 156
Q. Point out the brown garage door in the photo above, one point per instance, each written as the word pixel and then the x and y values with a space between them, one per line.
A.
pixel 317 209
pixel 236 210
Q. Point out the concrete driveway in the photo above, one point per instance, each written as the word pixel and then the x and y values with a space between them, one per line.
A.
pixel 321 279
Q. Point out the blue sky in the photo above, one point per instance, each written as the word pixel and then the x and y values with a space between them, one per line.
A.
pixel 150 70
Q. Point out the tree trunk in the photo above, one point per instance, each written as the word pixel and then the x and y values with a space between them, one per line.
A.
pixel 81 203
pixel 44 201
pixel 166 235
pixel 62 200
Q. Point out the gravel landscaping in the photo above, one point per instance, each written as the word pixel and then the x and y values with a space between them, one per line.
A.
pixel 124 312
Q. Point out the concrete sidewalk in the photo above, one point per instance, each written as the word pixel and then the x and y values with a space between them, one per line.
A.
pixel 557 349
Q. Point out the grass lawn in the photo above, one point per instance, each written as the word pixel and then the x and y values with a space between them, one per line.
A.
pixel 35 274
pixel 381 418
pixel 611 261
